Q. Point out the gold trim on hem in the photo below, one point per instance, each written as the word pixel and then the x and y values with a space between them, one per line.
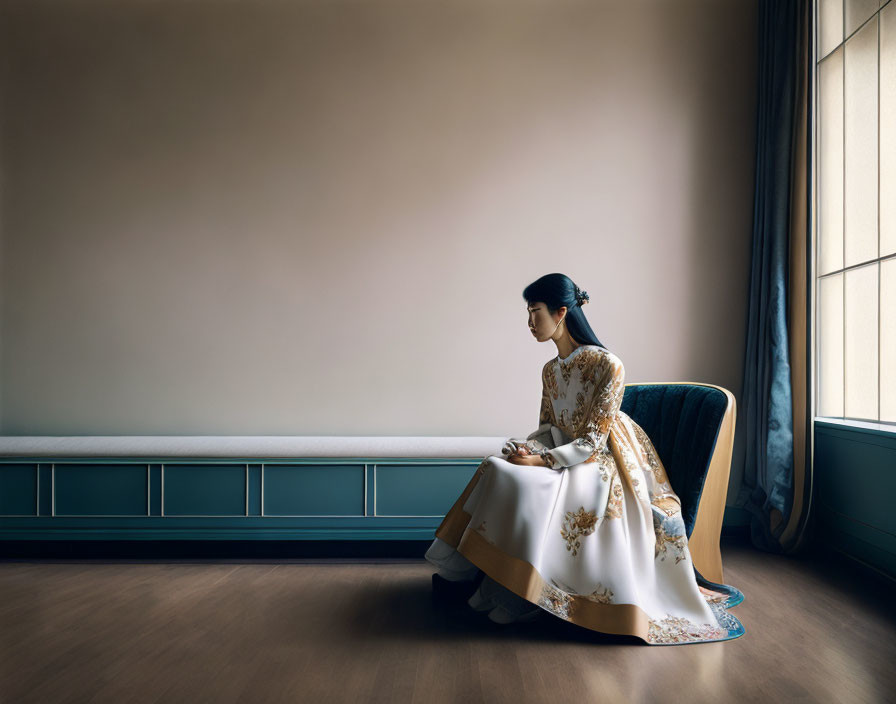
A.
pixel 588 611
pixel 524 580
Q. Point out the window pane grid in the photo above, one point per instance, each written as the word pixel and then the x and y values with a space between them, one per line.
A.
pixel 854 209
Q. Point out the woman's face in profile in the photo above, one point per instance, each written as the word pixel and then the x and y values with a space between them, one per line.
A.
pixel 542 323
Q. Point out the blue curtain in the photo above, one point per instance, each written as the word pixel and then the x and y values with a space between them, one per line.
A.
pixel 767 393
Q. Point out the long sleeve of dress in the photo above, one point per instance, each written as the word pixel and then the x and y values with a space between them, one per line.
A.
pixel 609 387
pixel 541 438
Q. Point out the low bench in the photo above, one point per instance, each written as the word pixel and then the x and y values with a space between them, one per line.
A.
pixel 232 487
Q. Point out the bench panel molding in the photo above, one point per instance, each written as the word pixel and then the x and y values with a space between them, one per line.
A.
pixel 312 498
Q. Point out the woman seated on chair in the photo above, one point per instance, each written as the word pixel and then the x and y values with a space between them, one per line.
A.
pixel 578 519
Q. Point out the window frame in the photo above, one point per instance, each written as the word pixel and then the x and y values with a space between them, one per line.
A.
pixel 813 277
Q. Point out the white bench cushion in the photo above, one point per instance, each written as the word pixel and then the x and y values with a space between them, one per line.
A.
pixel 248 446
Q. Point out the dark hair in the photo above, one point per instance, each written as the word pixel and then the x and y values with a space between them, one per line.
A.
pixel 555 290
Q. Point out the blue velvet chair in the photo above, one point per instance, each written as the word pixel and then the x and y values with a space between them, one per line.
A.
pixel 691 425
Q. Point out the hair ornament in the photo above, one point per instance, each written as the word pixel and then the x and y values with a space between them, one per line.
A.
pixel 582 296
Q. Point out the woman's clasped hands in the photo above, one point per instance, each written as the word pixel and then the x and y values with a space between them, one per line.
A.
pixel 520 454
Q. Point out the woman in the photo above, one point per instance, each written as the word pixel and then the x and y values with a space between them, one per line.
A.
pixel 579 519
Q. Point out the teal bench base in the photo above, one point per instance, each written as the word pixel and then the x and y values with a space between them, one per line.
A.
pixel 167 499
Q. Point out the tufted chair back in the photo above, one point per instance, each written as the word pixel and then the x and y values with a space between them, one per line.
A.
pixel 691 426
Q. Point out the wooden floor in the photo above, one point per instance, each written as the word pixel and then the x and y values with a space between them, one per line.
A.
pixel 368 631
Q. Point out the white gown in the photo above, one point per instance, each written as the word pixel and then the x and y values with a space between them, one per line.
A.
pixel 598 537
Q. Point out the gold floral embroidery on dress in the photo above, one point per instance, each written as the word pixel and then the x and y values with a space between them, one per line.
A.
pixel 630 462
pixel 674 629
pixel 669 537
pixel 579 413
pixel 601 595
pixel 607 468
pixel 590 365
pixel 599 455
pixel 667 504
pixel 550 382
pixel 594 414
pixel 587 364
pixel 590 434
pixel 599 419
pixel 555 600
pixel 606 465
pixel 656 465
pixel 664 540
pixel 546 413
pixel 580 523
pixel 585 442
pixel 565 369
pixel 563 420
pixel 614 505
pixel 632 472
pixel 711 596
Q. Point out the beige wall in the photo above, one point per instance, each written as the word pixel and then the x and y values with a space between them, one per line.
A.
pixel 318 217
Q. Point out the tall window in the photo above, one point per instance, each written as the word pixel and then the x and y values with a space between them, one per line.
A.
pixel 855 209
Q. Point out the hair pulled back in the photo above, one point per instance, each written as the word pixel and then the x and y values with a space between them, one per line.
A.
pixel 556 290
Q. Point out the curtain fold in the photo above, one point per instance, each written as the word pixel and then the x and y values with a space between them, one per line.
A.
pixel 775 391
pixel 792 539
